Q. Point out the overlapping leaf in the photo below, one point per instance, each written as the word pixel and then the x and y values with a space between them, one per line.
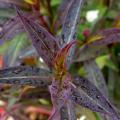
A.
pixel 93 92
pixel 89 52
pixel 13 27
pixel 67 112
pixel 95 75
pixel 62 11
pixel 10 29
pixel 16 45
pixel 69 27
pixel 42 40
pixel 106 37
pixel 25 75
pixel 81 98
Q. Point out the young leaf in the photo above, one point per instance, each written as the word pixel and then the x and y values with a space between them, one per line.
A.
pixel 42 40
pixel 69 26
pixel 93 92
pixel 60 59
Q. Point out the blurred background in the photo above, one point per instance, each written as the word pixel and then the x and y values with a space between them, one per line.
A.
pixel 30 103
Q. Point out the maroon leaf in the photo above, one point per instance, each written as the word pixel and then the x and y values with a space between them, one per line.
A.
pixel 42 40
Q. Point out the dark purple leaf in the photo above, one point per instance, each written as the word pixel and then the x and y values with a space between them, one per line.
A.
pixel 10 3
pixel 13 27
pixel 24 75
pixel 62 11
pixel 23 71
pixel 93 92
pixel 109 31
pixel 42 40
pixel 69 27
pixel 37 81
pixel 115 38
pixel 108 36
pixel 78 96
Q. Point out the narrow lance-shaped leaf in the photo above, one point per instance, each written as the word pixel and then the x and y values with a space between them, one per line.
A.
pixel 115 38
pixel 15 2
pixel 105 37
pixel 25 75
pixel 62 11
pixel 80 97
pixel 89 52
pixel 13 27
pixel 42 40
pixel 93 92
pixel 10 29
pixel 95 75
pixel 23 71
pixel 13 50
pixel 69 26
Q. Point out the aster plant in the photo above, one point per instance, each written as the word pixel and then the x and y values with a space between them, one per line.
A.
pixel 59 53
